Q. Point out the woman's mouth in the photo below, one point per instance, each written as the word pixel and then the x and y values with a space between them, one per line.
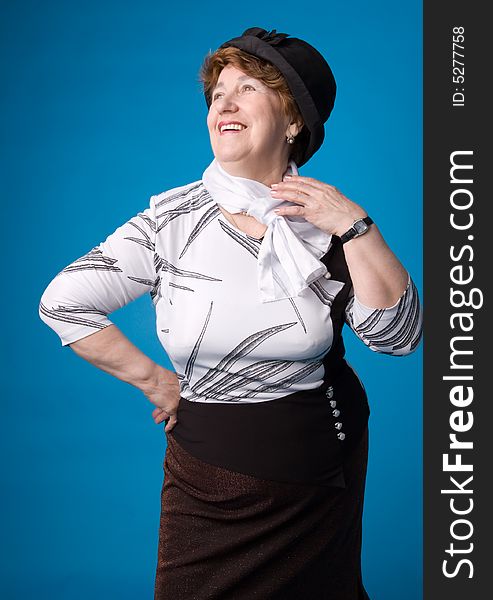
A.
pixel 231 127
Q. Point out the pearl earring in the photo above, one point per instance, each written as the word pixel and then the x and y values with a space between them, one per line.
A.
pixel 290 139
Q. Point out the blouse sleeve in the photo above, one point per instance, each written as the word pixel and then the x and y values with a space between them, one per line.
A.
pixel 79 299
pixel 395 330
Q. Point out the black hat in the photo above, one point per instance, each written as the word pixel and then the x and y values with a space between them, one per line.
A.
pixel 307 74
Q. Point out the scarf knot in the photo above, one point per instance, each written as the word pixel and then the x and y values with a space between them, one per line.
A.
pixel 288 259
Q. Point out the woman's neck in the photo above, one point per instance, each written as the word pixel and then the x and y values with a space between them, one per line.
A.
pixel 267 176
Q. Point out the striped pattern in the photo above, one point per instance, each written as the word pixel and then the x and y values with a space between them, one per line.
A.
pixel 396 330
pixel 94 260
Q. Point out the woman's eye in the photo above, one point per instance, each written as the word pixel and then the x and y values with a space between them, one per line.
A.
pixel 219 94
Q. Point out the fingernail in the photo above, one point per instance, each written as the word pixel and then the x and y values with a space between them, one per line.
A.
pixel 274 185
pixel 274 192
pixel 287 177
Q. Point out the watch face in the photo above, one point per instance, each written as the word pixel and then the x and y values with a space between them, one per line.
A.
pixel 360 227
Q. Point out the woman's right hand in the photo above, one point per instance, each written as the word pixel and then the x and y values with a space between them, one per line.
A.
pixel 111 351
pixel 164 392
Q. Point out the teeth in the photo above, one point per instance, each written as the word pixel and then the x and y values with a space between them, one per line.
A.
pixel 235 126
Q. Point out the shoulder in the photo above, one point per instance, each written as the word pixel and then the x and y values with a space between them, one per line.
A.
pixel 179 210
pixel 180 196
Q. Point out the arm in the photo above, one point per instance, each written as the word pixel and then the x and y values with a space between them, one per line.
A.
pixel 79 299
pixel 77 302
pixel 384 310
pixel 379 279
pixel 394 330
pixel 112 352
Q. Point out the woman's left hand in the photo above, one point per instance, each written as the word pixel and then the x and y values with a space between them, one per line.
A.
pixel 321 204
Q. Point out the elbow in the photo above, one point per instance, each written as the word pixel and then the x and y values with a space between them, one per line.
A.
pixel 45 305
pixel 416 341
pixel 47 312
pixel 66 309
pixel 402 348
pixel 41 309
pixel 50 299
pixel 51 308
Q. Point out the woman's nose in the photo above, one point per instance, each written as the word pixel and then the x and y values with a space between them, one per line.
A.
pixel 226 102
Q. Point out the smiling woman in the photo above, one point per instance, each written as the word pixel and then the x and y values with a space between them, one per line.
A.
pixel 245 126
pixel 230 70
pixel 267 433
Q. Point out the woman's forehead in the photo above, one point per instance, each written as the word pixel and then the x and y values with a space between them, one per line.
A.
pixel 231 73
pixel 238 80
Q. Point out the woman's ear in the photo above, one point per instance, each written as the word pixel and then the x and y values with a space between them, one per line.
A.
pixel 299 126
pixel 295 127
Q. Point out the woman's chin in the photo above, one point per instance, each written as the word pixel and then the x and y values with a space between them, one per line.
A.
pixel 231 155
pixel 233 158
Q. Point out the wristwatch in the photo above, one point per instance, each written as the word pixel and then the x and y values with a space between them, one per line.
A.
pixel 359 227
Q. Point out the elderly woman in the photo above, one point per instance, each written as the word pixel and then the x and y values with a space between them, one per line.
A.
pixel 253 270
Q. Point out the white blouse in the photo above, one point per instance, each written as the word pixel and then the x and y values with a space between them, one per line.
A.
pixel 201 272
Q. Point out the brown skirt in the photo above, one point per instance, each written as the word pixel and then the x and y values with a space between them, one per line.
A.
pixel 227 535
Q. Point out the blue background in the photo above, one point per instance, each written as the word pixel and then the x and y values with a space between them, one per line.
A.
pixel 100 108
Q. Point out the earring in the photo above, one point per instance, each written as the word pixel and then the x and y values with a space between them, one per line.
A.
pixel 290 139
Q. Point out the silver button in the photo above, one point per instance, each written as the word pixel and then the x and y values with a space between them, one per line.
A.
pixel 329 392
pixel 327 275
pixel 333 403
pixel 336 412
pixel 341 435
pixel 338 425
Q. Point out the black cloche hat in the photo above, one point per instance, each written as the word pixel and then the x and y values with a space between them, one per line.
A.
pixel 307 74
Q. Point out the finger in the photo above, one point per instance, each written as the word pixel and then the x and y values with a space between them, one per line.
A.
pixel 159 415
pixel 290 211
pixel 302 190
pixel 309 182
pixel 158 412
pixel 172 422
pixel 293 195
pixel 299 186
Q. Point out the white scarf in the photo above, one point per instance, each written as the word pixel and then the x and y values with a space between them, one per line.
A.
pixel 288 255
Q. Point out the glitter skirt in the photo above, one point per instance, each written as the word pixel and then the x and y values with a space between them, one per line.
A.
pixel 265 500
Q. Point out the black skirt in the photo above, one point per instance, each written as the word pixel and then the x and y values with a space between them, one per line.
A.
pixel 264 500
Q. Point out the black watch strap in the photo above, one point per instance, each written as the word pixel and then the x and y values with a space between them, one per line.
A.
pixel 353 232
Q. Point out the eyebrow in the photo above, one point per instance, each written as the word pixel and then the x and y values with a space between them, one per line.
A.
pixel 242 78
